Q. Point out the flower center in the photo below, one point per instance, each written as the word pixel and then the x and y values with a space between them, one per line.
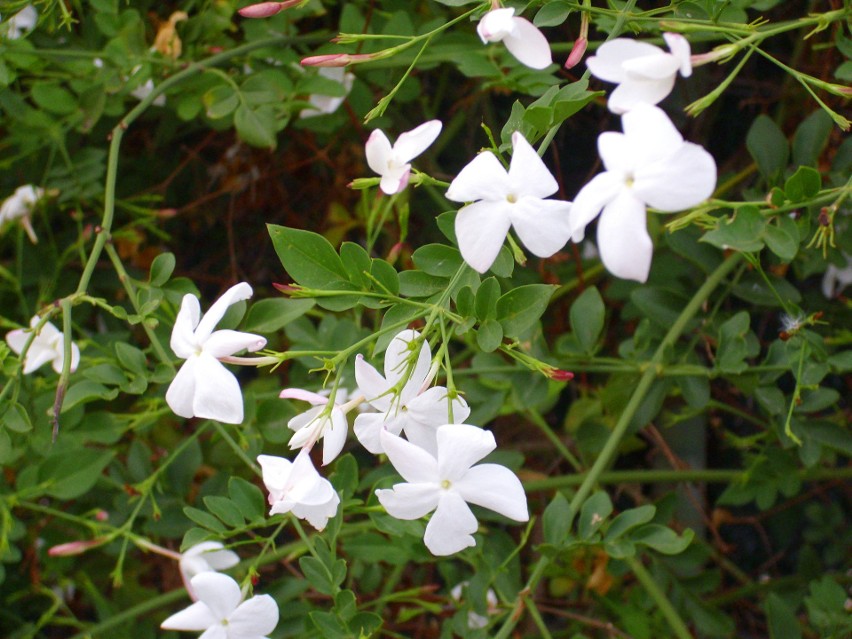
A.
pixel 629 180
pixel 512 198
pixel 446 484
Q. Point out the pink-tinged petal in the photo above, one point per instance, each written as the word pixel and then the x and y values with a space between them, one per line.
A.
pixel 180 395
pixel 600 191
pixel 227 342
pixel 409 501
pixel 304 395
pixel 334 438
pixel 237 293
pixel 679 46
pixel 681 181
pixel 484 178
pixel 543 226
pixel 195 618
pixel 496 25
pixel 319 514
pixel 494 487
pixel 608 62
pixel 395 179
pixel 631 93
pixel 183 340
pixel 254 618
pixel 652 67
pixel 372 385
pixel 528 175
pixel 412 143
pixel 451 528
pixel 368 429
pixel 651 134
pixel 481 229
pixel 413 463
pixel 528 45
pixel 217 392
pixel 219 592
pixel 378 151
pixel 460 446
pixel 623 241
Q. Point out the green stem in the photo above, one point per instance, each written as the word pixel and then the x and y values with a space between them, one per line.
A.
pixel 675 622
pixel 536 418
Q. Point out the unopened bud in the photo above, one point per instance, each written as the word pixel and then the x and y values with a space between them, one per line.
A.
pixel 577 53
pixel 287 289
pixel 74 547
pixel 336 59
pixel 559 375
pixel 266 9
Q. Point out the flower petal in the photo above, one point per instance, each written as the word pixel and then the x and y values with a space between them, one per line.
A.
pixel 180 395
pixel 451 528
pixel 227 342
pixel 600 191
pixel 194 618
pixel 460 446
pixel 318 514
pixel 412 143
pixel 679 182
pixel 528 44
pixel 481 229
pixel 634 92
pixel 543 226
pixel 183 336
pixel 607 63
pixel 494 487
pixel 651 134
pixel 528 175
pixel 304 395
pixel 398 363
pixel 217 392
pixel 483 178
pixel 215 313
pixel 218 592
pixel 496 24
pixel 679 46
pixel 372 385
pixel 378 152
pixel 623 239
pixel 427 412
pixel 395 178
pixel 661 66
pixel 334 438
pixel 409 501
pixel 254 618
pixel 413 463
pixel 368 429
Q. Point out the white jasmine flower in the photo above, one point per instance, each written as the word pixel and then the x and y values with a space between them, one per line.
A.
pixel 393 162
pixel 447 482
pixel 203 387
pixel 207 556
pixel 645 74
pixel 836 279
pixel 326 104
pixel 221 613
pixel 22 22
pixel 648 164
pixel 476 621
pixel 403 398
pixel 298 487
pixel 19 206
pixel 47 346
pixel 319 422
pixel 504 199
pixel 521 37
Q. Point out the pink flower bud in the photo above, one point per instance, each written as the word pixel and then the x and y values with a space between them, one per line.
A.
pixel 266 9
pixel 336 59
pixel 75 547
pixel 577 52
pixel 559 375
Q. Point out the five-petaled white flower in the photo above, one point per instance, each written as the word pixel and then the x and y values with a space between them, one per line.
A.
pixel 319 422
pixel 393 162
pixel 322 104
pixel 47 346
pixel 645 74
pixel 521 37
pixel 297 486
pixel 647 164
pixel 25 20
pixel 403 398
pixel 447 482
pixel 203 387
pixel 207 556
pixel 19 206
pixel 504 199
pixel 221 613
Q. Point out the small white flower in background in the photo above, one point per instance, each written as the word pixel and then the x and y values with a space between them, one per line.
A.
pixel 447 482
pixel 326 104
pixel 203 387
pixel 143 90
pixel 648 164
pixel 221 613
pixel 297 486
pixel 645 74
pixel 19 207
pixel 521 37
pixel 403 398
pixel 836 279
pixel 504 199
pixel 208 556
pixel 393 162
pixel 47 346
pixel 317 423
pixel 22 22
pixel 476 621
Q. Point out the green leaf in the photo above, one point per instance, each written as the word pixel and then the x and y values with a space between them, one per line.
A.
pixel 308 257
pixel 781 618
pixel 53 98
pixel 357 263
pixel 387 279
pixel 420 284
pixel 204 519
pixel 804 184
pixel 256 126
pixel 741 233
pixel 248 498
pixel 225 509
pixel 810 138
pixel 767 144
pixel 695 390
pixel 162 268
pixel 17 419
pixel 587 318
pixel 72 473
pixel 220 101
pixel 321 578
pixel 489 335
pixel 87 391
pixel 438 259
pixel 552 14
pixel 593 513
pixel 557 520
pixel 485 303
pixel 522 307
pixel 660 305
pixel 662 539
pixel 736 343
pixel 131 358
pixel 781 241
pixel 628 520
pixel 270 315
